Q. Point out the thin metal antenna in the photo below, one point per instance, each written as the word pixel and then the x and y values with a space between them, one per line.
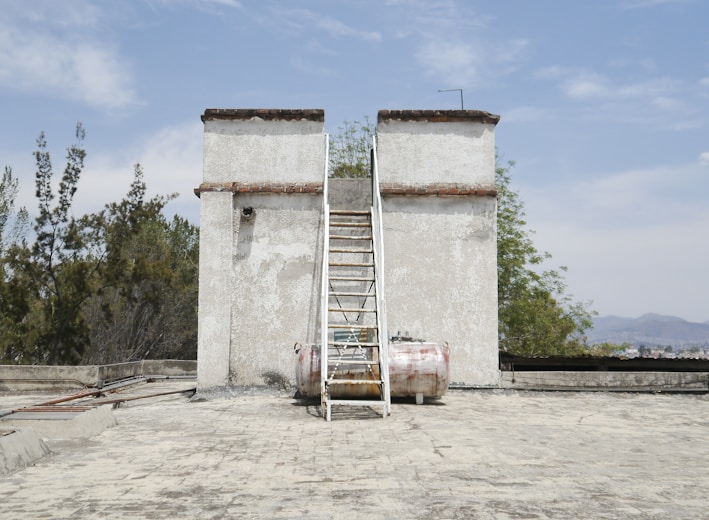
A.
pixel 462 107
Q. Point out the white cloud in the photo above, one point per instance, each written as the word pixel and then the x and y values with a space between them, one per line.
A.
pixel 456 63
pixel 632 240
pixel 526 114
pixel 306 19
pixel 228 3
pixel 203 4
pixel 704 158
pixel 172 163
pixel 68 63
pixel 639 4
pixel 585 84
pixel 314 69
pixel 469 62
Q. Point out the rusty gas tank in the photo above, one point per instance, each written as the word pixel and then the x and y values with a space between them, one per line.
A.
pixel 415 369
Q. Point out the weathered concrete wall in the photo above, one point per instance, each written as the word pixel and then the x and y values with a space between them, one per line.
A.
pixel 23 377
pixel 216 238
pixel 440 243
pixel 45 377
pixel 261 146
pixel 275 285
pixel 600 380
pixel 434 146
pixel 350 193
pixel 260 242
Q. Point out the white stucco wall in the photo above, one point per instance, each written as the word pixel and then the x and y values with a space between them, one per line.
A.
pixel 441 279
pixel 426 152
pixel 276 283
pixel 259 276
pixel 215 275
pixel 263 151
pixel 441 251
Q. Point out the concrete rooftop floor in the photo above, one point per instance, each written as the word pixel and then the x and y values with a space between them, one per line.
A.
pixel 473 454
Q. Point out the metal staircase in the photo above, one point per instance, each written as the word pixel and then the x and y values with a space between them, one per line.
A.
pixel 354 358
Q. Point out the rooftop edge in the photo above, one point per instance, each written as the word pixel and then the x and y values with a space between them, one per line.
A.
pixel 439 116
pixel 267 114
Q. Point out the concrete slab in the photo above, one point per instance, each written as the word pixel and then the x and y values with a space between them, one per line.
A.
pixel 62 425
pixel 473 454
pixel 20 448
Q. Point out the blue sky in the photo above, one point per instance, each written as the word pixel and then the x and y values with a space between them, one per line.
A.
pixel 604 106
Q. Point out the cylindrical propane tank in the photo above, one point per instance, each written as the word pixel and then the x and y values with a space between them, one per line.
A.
pixel 415 368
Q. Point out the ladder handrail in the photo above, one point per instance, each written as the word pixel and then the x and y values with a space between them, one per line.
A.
pixel 378 248
pixel 324 274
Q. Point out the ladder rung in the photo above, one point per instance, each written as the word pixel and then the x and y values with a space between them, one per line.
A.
pixel 352 278
pixel 340 362
pixel 351 344
pixel 353 402
pixel 351 237
pixel 359 294
pixel 349 212
pixel 349 250
pixel 350 264
pixel 354 381
pixel 343 309
pixel 346 326
pixel 351 224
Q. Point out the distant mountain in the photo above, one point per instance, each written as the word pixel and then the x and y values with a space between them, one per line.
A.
pixel 650 330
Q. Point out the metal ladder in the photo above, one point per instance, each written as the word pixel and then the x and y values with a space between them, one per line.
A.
pixel 354 369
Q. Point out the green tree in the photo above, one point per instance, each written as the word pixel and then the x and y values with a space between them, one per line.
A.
pixel 147 305
pixel 350 149
pixel 62 277
pixel 536 316
pixel 13 224
pixel 117 285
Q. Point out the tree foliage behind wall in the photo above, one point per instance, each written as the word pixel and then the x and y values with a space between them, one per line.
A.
pixel 536 315
pixel 350 148
pixel 117 285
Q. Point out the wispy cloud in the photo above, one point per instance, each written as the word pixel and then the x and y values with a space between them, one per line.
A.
pixel 172 163
pixel 587 84
pixel 640 4
pixel 526 114
pixel 62 57
pixel 620 232
pixel 637 101
pixel 228 3
pixel 201 4
pixel 306 19
pixel 470 63
pixel 704 158
pixel 457 48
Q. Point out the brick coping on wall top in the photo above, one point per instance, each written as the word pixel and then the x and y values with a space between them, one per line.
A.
pixel 266 114
pixel 318 114
pixel 436 190
pixel 439 116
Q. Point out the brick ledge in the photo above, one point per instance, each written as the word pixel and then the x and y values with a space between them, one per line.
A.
pixel 259 187
pixel 387 189
pixel 439 189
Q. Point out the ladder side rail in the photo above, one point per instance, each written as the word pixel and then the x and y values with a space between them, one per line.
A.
pixel 378 248
pixel 324 297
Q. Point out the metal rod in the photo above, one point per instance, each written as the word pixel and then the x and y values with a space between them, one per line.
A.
pixel 462 107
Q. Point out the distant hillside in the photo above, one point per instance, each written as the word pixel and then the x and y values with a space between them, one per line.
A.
pixel 650 330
